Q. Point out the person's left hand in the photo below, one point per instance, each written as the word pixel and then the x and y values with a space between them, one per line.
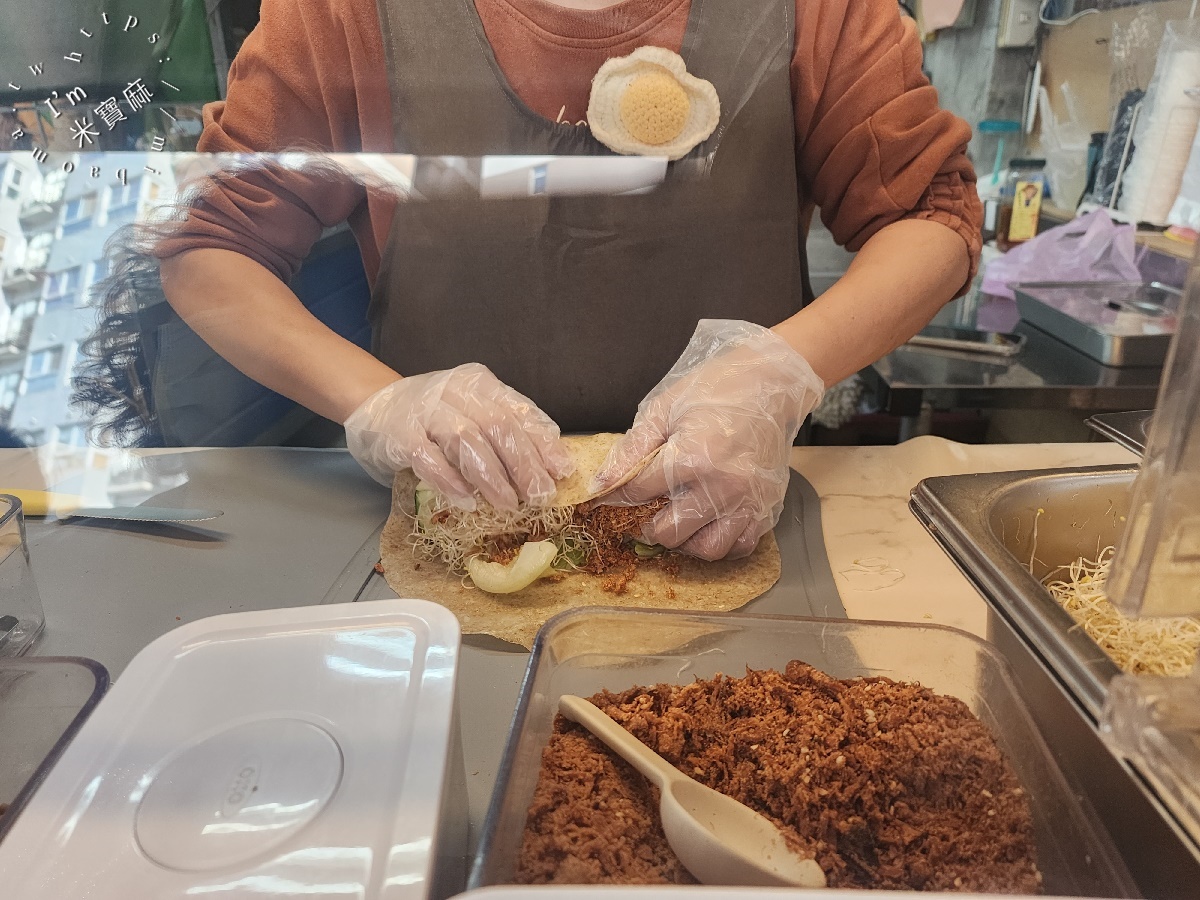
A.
pixel 723 421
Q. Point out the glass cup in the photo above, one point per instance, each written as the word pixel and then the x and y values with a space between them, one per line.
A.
pixel 21 616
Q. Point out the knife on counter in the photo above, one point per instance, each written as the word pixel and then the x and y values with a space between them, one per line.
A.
pixel 49 503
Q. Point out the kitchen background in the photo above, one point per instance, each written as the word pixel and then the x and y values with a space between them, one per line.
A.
pixel 86 146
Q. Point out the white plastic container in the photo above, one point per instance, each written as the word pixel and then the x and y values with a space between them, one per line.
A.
pixel 306 752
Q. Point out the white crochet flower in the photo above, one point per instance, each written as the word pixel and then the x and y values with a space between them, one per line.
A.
pixel 646 104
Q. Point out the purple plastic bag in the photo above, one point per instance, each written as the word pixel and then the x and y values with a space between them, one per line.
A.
pixel 1090 248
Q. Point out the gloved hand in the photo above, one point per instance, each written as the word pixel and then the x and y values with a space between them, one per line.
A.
pixel 723 421
pixel 462 430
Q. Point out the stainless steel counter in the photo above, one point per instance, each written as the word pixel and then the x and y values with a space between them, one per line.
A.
pixel 293 518
pixel 1047 374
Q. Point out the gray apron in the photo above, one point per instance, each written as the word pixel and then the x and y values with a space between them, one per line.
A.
pixel 584 303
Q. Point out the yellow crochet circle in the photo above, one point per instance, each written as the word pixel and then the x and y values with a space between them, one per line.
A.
pixel 654 108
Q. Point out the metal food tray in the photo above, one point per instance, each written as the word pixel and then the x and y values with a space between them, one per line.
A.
pixel 1119 324
pixel 985 524
pixel 1129 429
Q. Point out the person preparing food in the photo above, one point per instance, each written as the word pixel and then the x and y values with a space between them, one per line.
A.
pixel 498 323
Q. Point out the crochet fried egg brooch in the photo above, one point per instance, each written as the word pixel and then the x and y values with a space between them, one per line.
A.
pixel 646 104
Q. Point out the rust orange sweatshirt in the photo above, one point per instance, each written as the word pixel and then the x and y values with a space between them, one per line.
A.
pixel 872 144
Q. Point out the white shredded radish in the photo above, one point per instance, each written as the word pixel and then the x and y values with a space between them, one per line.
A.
pixel 1149 646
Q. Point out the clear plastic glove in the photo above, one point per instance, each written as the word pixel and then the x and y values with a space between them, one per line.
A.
pixel 723 421
pixel 462 430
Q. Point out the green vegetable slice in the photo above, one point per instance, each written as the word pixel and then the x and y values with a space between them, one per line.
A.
pixel 532 562
pixel 572 554
pixel 423 505
pixel 647 551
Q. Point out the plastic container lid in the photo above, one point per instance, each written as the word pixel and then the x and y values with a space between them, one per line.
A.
pixel 294 751
pixel 43 703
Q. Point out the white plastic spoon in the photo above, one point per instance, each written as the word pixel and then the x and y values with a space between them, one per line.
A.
pixel 718 840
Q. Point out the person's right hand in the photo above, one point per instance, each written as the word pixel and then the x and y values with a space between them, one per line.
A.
pixel 462 430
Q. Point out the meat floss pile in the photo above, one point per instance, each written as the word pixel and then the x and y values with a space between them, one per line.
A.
pixel 885 784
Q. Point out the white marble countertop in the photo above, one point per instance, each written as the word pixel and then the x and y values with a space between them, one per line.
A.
pixel 886 565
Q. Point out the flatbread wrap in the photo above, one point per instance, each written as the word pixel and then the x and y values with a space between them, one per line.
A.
pixel 587 554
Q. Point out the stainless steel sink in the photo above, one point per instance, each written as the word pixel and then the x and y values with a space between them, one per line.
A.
pixel 1005 532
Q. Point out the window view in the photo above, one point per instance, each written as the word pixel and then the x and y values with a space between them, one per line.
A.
pixel 44 362
pixel 12 182
pixel 97 140
pixel 77 214
pixel 62 286
pixel 73 434
pixel 55 225
pixel 82 285
pixel 123 201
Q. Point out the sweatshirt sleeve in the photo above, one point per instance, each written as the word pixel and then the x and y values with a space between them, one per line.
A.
pixel 290 88
pixel 873 146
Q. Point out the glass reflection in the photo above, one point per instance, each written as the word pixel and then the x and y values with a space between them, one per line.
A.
pixel 397 643
pixel 85 800
pixel 266 816
pixel 296 874
pixel 91 353
pixel 397 647
pixel 275 886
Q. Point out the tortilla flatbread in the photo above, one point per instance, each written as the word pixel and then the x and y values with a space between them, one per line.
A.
pixel 707 586
pixel 589 452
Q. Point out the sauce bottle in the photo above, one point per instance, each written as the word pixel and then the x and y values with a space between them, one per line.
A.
pixel 1020 202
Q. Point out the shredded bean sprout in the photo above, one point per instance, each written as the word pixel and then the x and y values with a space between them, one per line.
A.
pixel 1150 646
pixel 443 532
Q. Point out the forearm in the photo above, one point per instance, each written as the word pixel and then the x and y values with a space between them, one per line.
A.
pixel 253 320
pixel 900 278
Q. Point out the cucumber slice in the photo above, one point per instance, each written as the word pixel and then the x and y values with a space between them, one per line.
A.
pixel 647 551
pixel 532 562
pixel 571 554
pixel 423 505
